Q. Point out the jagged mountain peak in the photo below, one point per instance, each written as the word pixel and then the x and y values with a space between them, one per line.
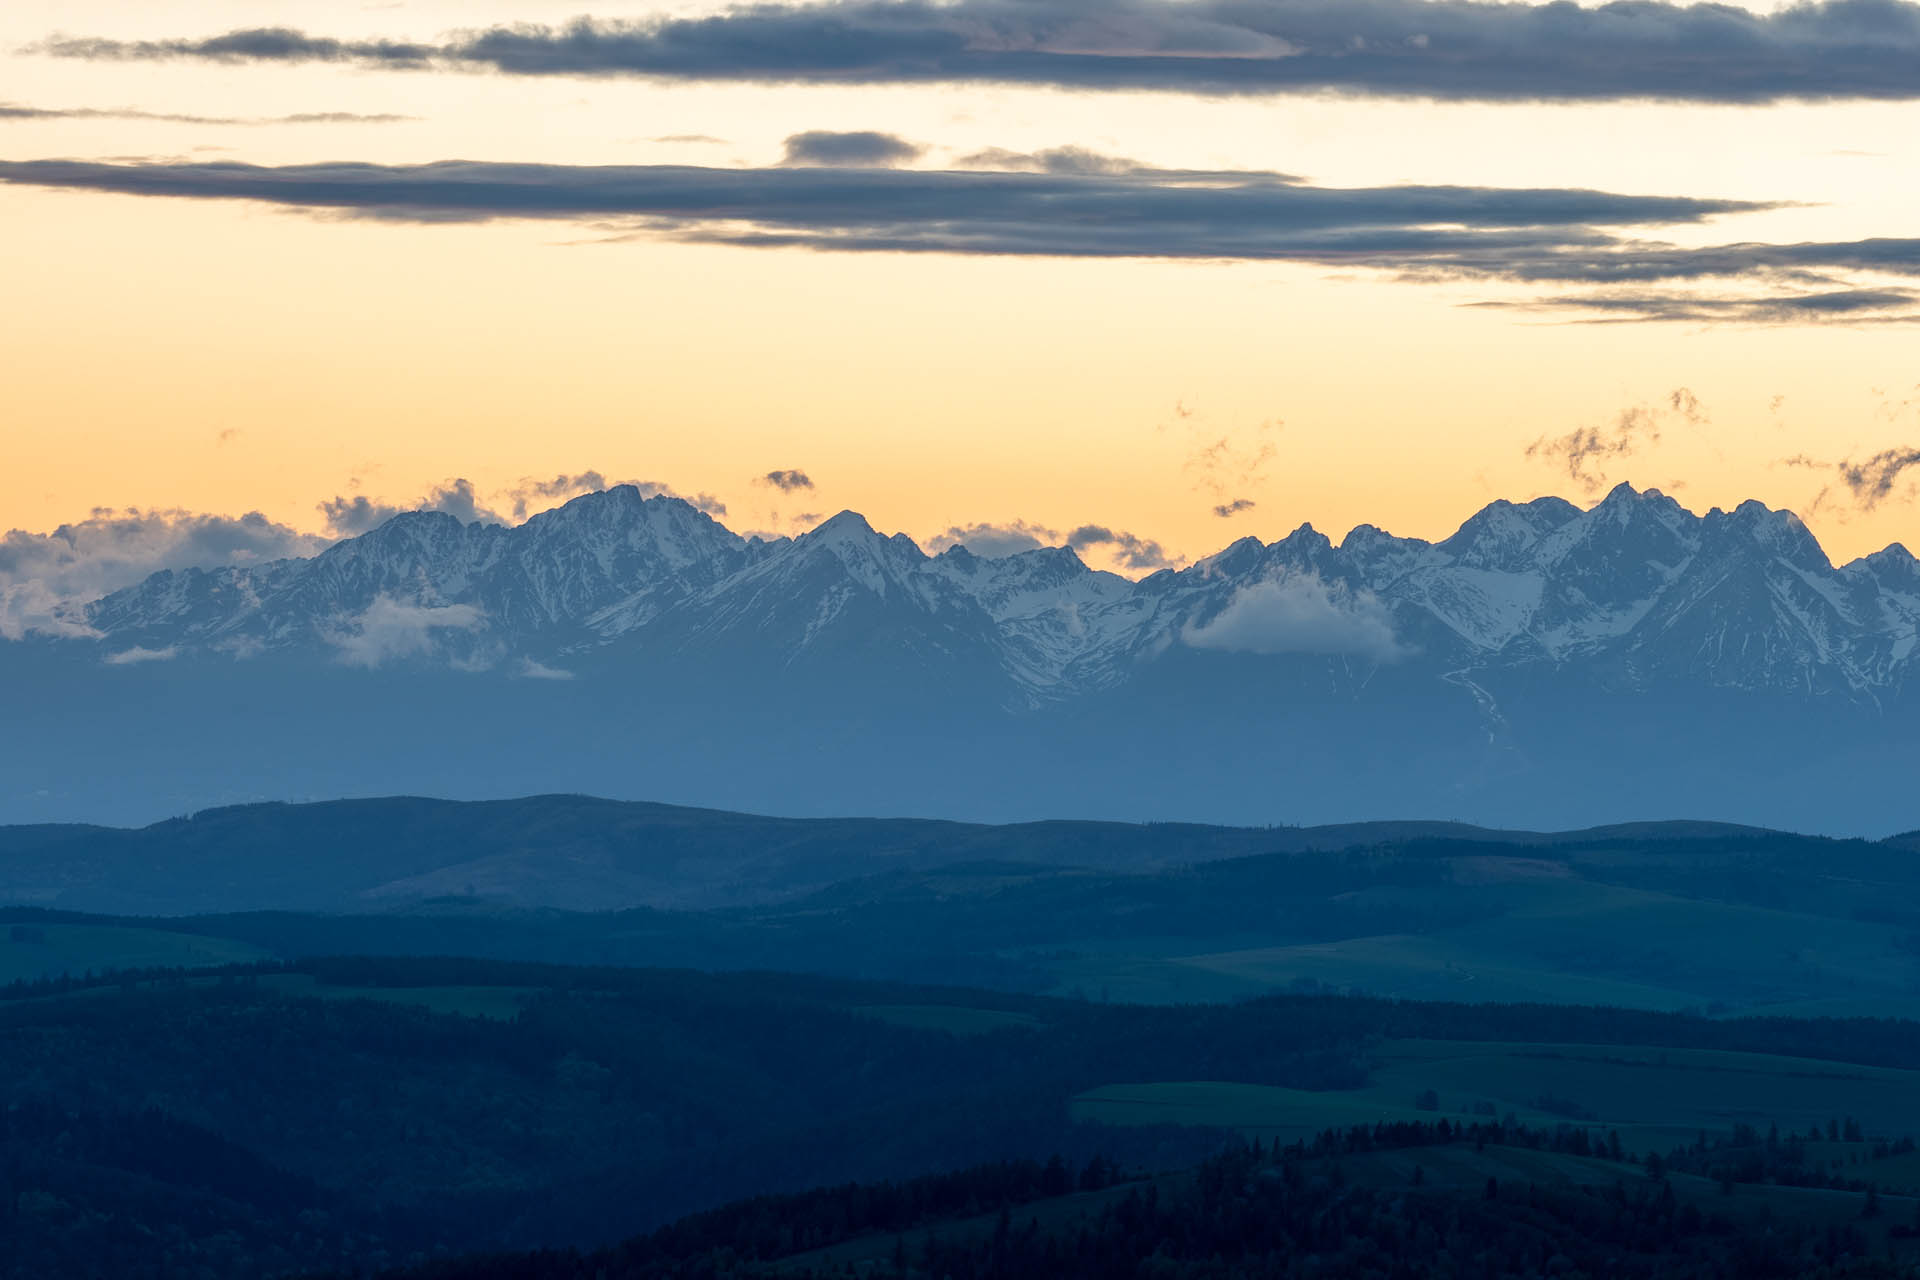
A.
pixel 1634 584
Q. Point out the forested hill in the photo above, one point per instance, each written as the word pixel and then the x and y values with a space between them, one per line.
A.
pixel 581 853
pixel 354 1115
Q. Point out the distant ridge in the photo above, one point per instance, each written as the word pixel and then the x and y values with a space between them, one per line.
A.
pixel 584 853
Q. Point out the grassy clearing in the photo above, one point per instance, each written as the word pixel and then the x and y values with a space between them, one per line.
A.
pixel 956 1020
pixel 1263 1111
pixel 868 1254
pixel 1548 939
pixel 1654 1098
pixel 500 1003
pixel 33 951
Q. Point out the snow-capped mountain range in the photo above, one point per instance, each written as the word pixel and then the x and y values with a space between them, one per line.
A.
pixel 1635 592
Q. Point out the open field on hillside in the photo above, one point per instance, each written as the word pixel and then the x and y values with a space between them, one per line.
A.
pixel 32 951
pixel 1548 939
pixel 1654 1098
pixel 959 1020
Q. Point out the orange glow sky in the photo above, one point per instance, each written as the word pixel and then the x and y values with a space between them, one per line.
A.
pixel 222 356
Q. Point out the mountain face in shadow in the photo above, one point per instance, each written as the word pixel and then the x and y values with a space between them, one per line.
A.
pixel 1545 666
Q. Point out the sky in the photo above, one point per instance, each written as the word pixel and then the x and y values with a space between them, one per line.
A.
pixel 1188 270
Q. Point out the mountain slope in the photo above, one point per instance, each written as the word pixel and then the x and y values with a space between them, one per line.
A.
pixel 1543 666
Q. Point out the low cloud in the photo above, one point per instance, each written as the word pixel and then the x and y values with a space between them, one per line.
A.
pixel 558 489
pixel 47 579
pixel 1128 550
pixel 1228 510
pixel 531 670
pixel 128 657
pixel 532 494
pixel 786 481
pixel 1300 613
pixel 996 541
pixel 349 517
pixel 1463 50
pixel 388 630
pixel 861 149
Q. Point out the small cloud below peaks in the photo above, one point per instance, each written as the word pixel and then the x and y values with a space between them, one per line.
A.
pixel 390 629
pixel 135 655
pixel 1300 613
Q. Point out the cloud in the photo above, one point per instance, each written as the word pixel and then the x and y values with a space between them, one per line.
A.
pixel 1054 160
pixel 1299 613
pixel 10 111
pixel 1469 50
pixel 349 517
pixel 531 670
pixel 560 487
pixel 1535 237
pixel 390 629
pixel 996 541
pixel 688 138
pixel 786 481
pixel 128 657
pixel 1836 306
pixel 850 150
pixel 1128 550
pixel 1872 481
pixel 1868 482
pixel 1586 450
pixel 1227 510
pixel 47 579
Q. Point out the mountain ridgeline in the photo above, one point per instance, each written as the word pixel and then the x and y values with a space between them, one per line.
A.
pixel 1545 665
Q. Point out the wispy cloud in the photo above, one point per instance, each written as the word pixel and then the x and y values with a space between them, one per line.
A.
pixel 1470 50
pixel 787 481
pixel 1587 451
pixel 1864 483
pixel 13 111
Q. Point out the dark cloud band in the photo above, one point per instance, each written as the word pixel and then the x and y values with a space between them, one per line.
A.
pixel 1440 49
pixel 1540 237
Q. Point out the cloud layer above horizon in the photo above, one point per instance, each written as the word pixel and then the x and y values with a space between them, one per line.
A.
pixel 1437 49
pixel 1547 236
